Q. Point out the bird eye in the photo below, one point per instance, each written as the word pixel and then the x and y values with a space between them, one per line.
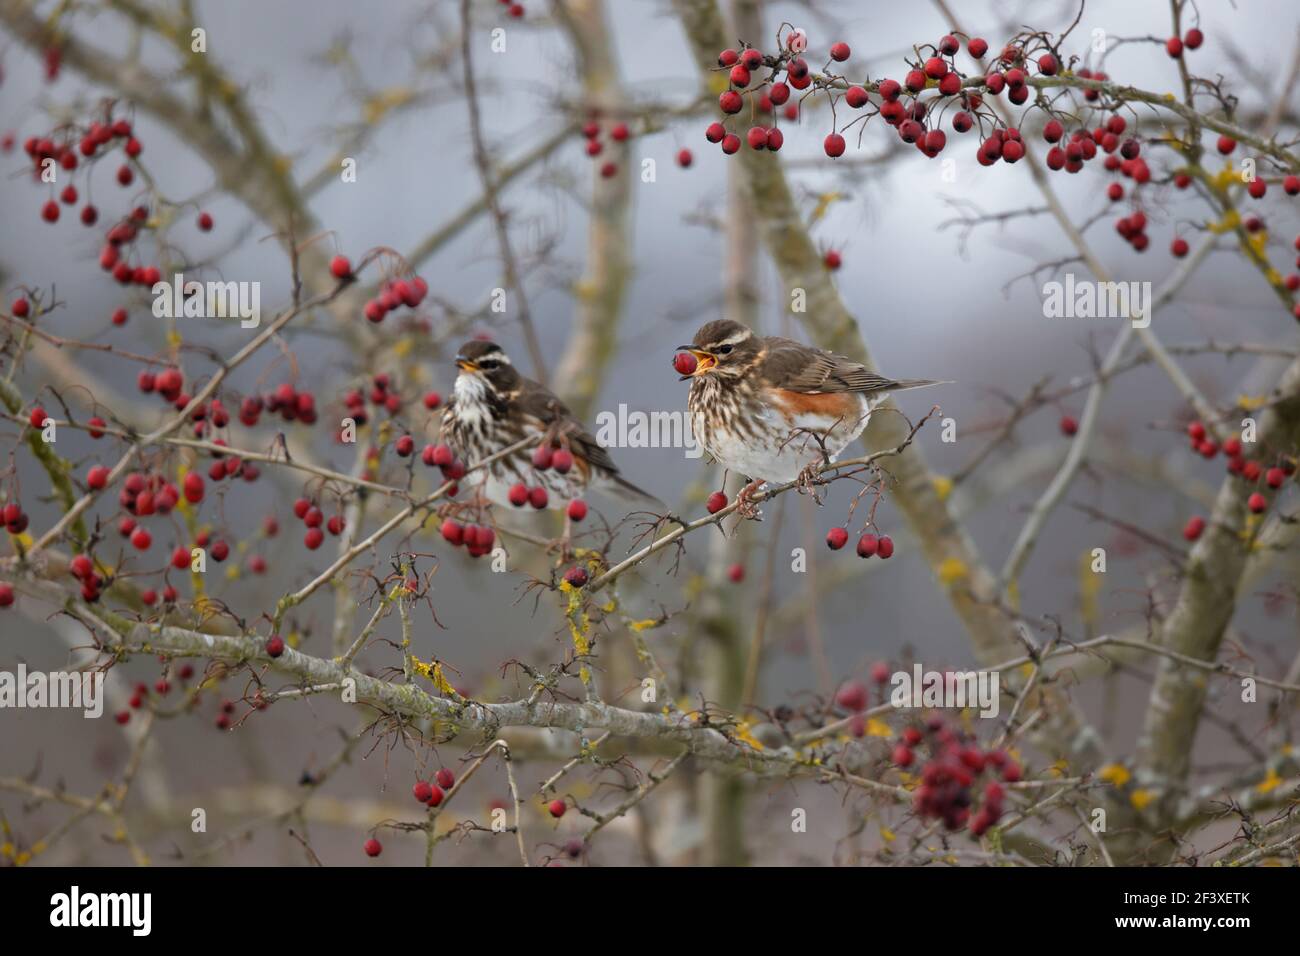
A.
pixel 725 350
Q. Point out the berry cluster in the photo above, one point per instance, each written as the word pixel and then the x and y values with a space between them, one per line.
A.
pixel 946 791
pixel 869 545
pixel 477 539
pixel 393 295
pixel 1249 470
pixel 310 514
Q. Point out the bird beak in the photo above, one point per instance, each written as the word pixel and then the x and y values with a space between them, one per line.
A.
pixel 704 360
pixel 465 365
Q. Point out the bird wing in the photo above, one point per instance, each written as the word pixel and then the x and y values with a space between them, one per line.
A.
pixel 795 367
pixel 535 401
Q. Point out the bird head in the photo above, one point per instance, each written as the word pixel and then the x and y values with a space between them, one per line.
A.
pixel 724 348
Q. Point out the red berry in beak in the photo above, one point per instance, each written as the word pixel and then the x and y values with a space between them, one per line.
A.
pixel 684 363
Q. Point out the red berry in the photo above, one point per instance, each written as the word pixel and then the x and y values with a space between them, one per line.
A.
pixel 453 532
pixel 1226 144
pixel 576 577
pixel 935 67
pixel 852 695
pixel 730 102
pixel 977 47
pixel 1192 530
pixel 562 460
pixel 205 221
pixel 97 478
pixel 340 267
pixel 518 495
pixel 840 51
pixel 193 487
pixel 832 259
pixel 1048 64
pixel 1068 425
pixel 1257 503
pixel 422 791
pixel 740 75
pixel 556 808
pixel 446 779
pixel 435 796
pixel 716 502
pixel 141 539
pixel 736 573
pixel 537 497
pixel 856 97
pixel 1193 38
pixel 684 158
pixel 405 446
pixel 885 547
pixel 373 847
pixel 903 755
pixel 1275 477
pixel 1196 432
pixel 274 645
pixel 577 510
pixel 684 363
pixel 313 538
pixel 834 145
pixel 731 144
pixel 836 538
pixel 1179 247
pixel 715 132
pixel 868 545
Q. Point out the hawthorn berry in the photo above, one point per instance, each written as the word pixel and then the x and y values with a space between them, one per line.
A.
pixel 736 573
pixel 422 791
pixel 832 259
pixel 1226 144
pixel 274 645
pixel 885 546
pixel 518 494
pixel 868 545
pixel 834 145
pixel 684 158
pixel 840 51
pixel 1179 247
pixel 577 510
pixel 1257 503
pixel 372 846
pixel 446 779
pixel 836 538
pixel 1068 425
pixel 852 695
pixel 340 267
pixel 684 363
pixel 97 478
pixel 977 47
pixel 576 577
pixel 1193 38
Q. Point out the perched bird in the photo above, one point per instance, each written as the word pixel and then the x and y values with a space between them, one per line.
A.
pixel 767 407
pixel 493 406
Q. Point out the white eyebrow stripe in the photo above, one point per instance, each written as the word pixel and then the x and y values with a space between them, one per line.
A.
pixel 737 338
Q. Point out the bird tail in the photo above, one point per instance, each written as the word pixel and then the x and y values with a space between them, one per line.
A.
pixel 915 383
pixel 626 491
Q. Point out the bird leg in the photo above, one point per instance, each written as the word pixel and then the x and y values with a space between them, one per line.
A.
pixel 744 507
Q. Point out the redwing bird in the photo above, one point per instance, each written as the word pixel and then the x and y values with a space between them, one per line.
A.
pixel 766 407
pixel 493 406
